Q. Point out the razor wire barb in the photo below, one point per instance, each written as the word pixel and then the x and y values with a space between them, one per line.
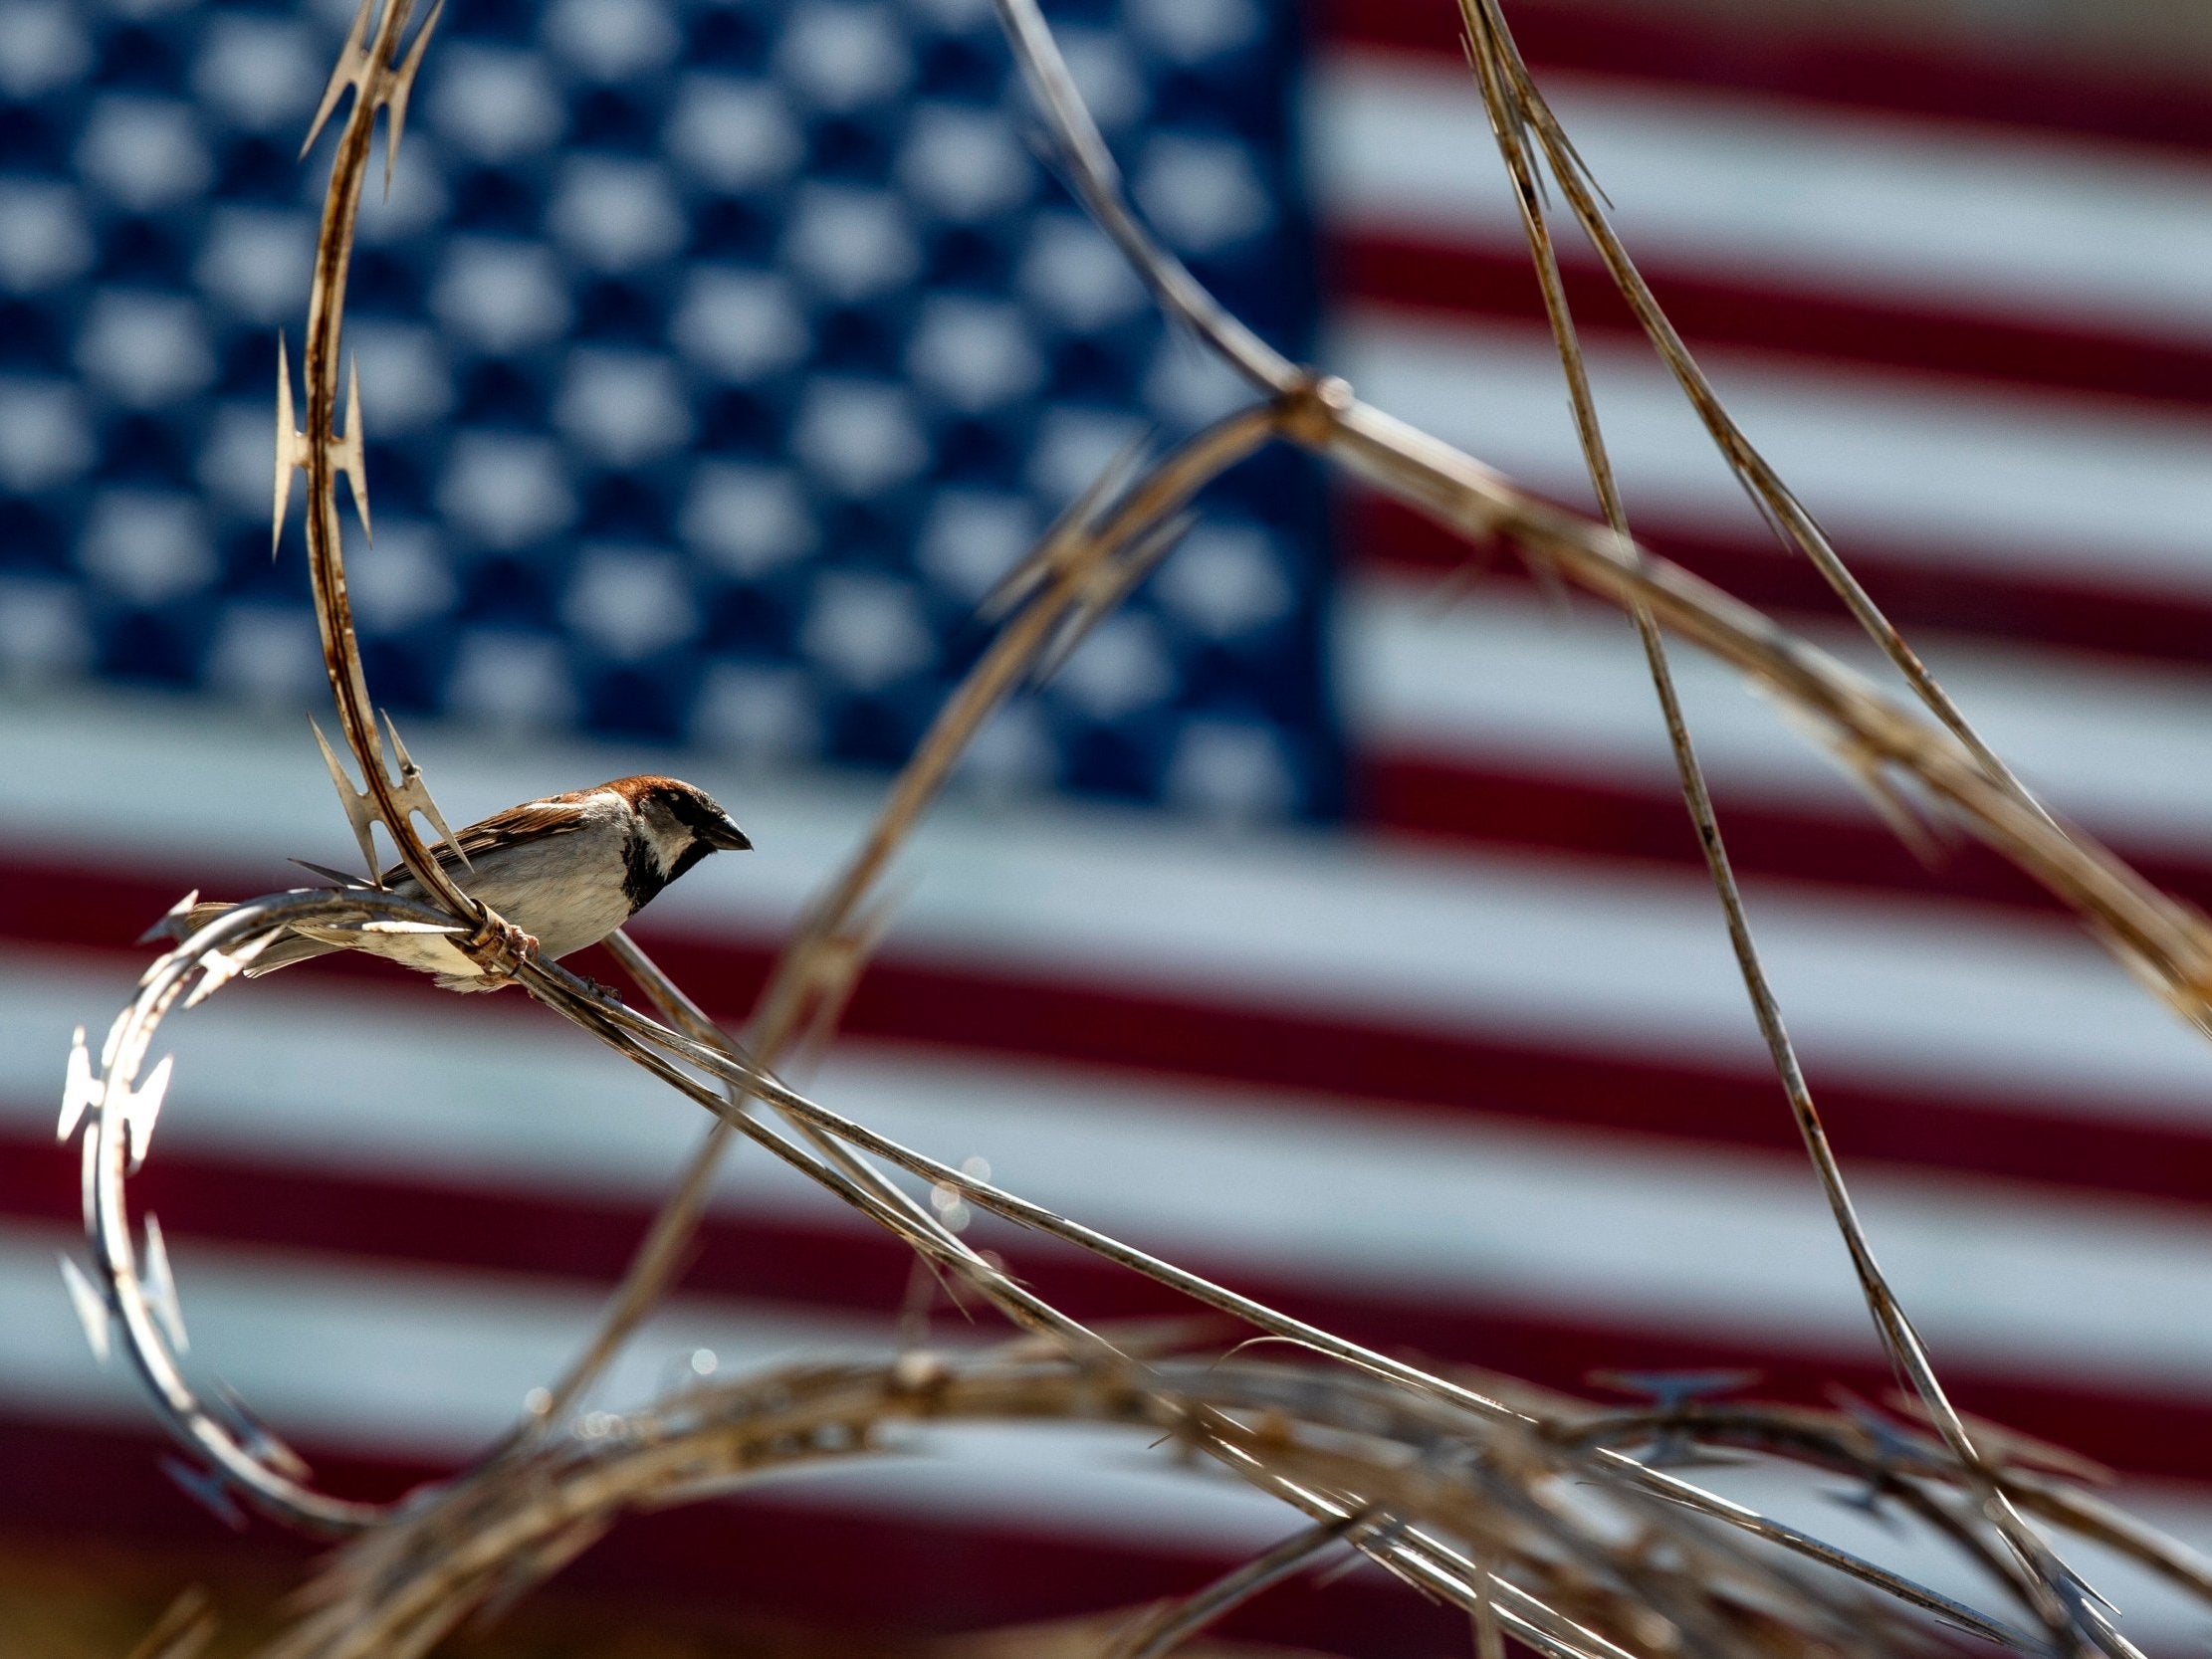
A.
pixel 1456 1486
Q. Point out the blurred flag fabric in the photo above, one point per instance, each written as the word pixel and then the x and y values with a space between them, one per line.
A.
pixel 716 359
pixel 1328 924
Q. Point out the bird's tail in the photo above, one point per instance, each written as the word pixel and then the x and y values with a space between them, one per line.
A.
pixel 199 916
pixel 291 948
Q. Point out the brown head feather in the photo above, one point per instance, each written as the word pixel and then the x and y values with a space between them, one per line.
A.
pixel 636 788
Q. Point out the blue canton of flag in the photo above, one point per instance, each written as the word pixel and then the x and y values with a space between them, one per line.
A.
pixel 716 359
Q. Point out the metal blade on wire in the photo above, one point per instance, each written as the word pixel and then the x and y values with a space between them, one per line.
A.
pixel 93 1310
pixel 141 1108
pixel 160 1287
pixel 81 1090
pixel 1136 564
pixel 206 1489
pixel 258 1437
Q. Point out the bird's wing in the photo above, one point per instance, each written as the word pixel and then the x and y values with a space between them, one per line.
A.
pixel 532 821
pixel 325 871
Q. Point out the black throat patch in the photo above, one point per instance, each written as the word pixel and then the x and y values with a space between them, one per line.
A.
pixel 641 870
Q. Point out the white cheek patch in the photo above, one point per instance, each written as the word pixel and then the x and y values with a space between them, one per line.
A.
pixel 667 835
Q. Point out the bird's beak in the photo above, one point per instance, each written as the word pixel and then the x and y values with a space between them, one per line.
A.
pixel 725 835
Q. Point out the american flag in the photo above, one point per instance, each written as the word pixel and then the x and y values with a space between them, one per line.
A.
pixel 1327 924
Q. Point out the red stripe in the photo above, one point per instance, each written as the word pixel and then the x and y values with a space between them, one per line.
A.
pixel 749 1567
pixel 483 1229
pixel 2099 616
pixel 1398 788
pixel 1457 279
pixel 1489 806
pixel 1731 50
pixel 2151 1153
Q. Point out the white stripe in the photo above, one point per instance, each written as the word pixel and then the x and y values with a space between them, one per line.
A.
pixel 1496 678
pixel 1266 1186
pixel 1631 964
pixel 1824 199
pixel 310 1341
pixel 398 1363
pixel 2071 488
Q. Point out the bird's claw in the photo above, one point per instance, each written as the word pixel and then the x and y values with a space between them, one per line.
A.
pixel 500 948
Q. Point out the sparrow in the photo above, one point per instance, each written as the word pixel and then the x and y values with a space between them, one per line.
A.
pixel 567 870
